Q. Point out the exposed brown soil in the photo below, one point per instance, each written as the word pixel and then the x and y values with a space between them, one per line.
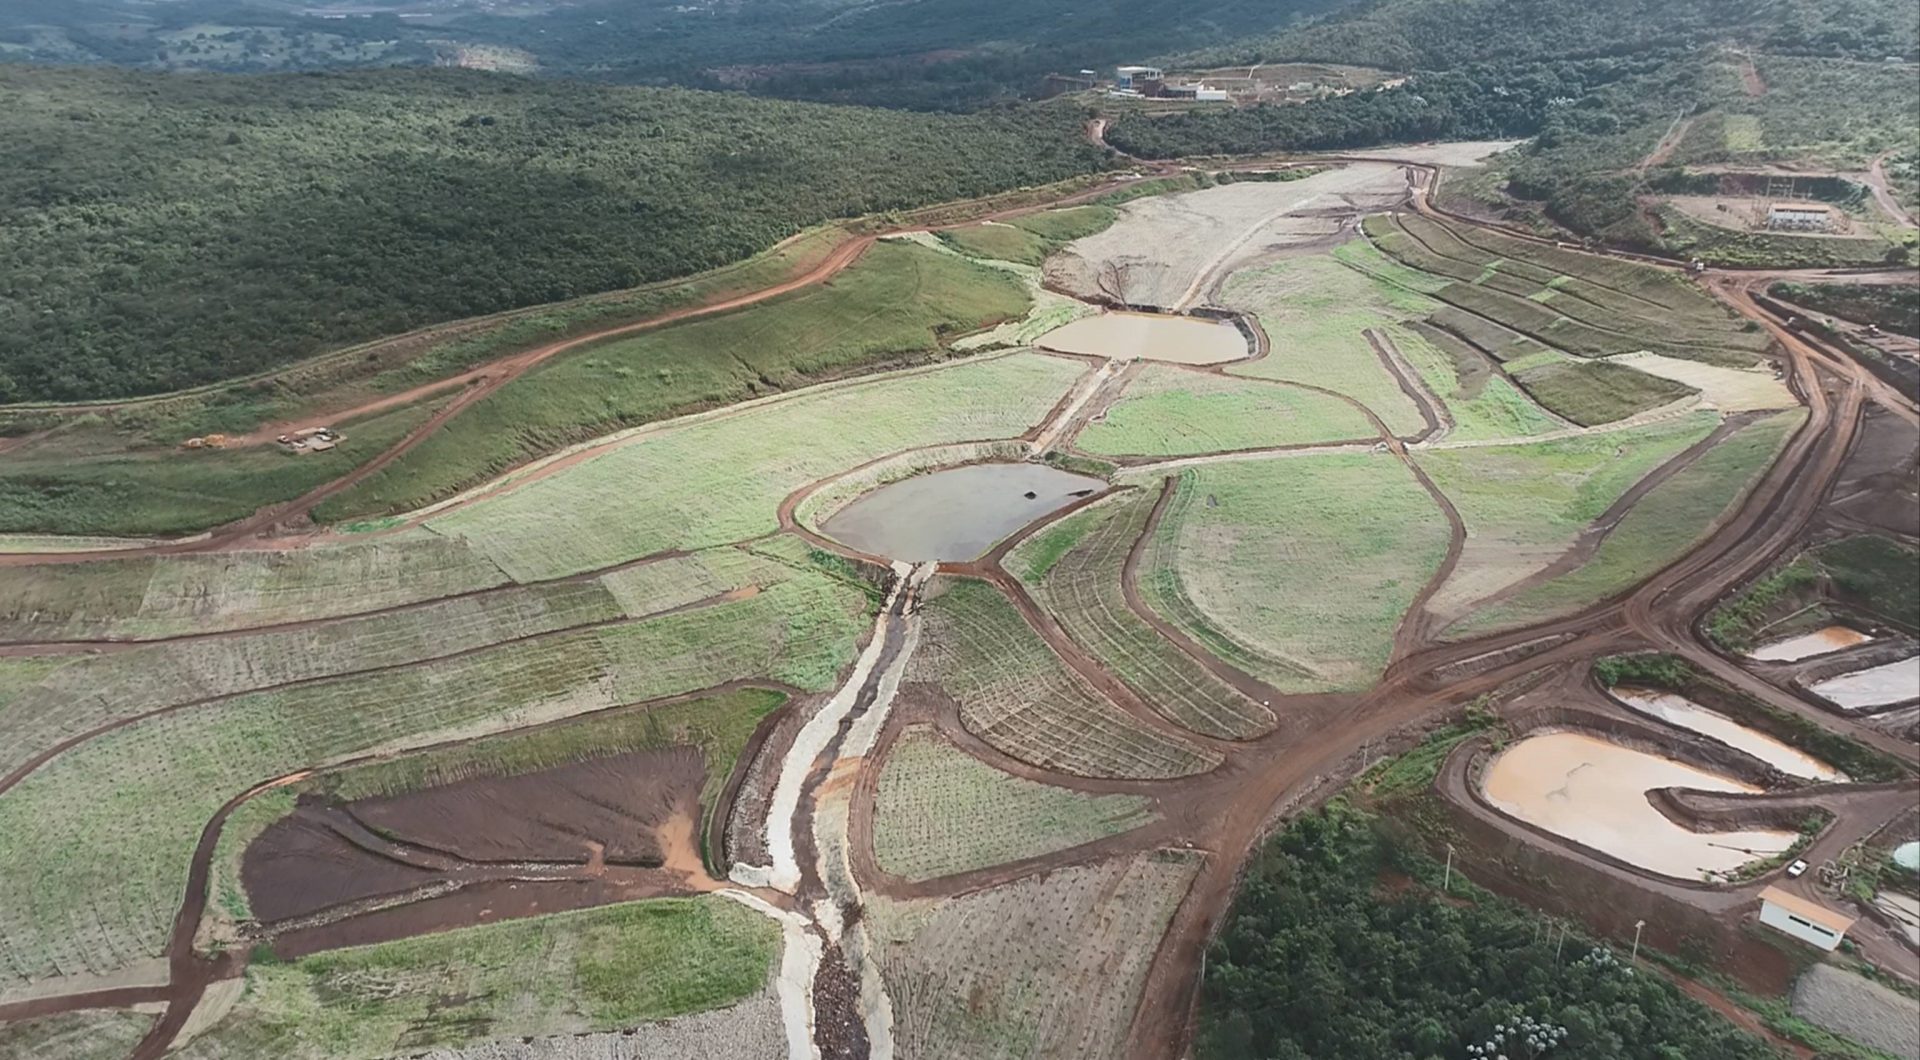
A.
pixel 576 819
pixel 837 1027
pixel 616 802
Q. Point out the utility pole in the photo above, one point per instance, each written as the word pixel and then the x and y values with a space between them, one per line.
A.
pixel 1448 885
pixel 1637 925
pixel 1557 945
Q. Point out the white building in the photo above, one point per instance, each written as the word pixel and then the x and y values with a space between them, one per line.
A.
pixel 1804 919
pixel 1125 76
pixel 1799 217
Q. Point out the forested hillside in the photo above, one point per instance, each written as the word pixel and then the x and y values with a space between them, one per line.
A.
pixel 168 230
pixel 926 54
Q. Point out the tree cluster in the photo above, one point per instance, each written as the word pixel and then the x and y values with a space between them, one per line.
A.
pixel 1319 957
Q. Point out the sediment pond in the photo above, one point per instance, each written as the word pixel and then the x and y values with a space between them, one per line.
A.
pixel 1808 645
pixel 957 514
pixel 1594 793
pixel 1154 336
pixel 1685 713
pixel 1877 686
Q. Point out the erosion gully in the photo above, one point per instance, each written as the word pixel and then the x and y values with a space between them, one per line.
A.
pixel 833 1000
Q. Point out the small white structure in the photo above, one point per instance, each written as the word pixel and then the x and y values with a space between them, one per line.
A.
pixel 1125 76
pixel 1800 217
pixel 1804 919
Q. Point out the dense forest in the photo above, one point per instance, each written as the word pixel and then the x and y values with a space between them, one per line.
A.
pixel 1322 956
pixel 931 54
pixel 169 230
pixel 1442 34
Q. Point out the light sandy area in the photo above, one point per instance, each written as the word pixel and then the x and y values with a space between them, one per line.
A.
pixel 1731 389
pixel 1877 686
pixel 1594 792
pixel 1126 336
pixel 1168 250
pixel 1807 645
pixel 1462 153
pixel 1685 713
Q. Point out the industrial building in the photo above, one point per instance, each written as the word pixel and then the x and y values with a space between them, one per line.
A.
pixel 1800 217
pixel 1802 918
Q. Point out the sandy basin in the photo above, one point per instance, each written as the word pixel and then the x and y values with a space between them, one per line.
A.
pixel 1685 713
pixel 1807 645
pixel 1894 682
pixel 1183 340
pixel 956 514
pixel 1594 793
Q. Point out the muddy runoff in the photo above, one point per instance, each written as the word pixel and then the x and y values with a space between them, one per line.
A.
pixel 1685 713
pixel 957 514
pixel 1153 336
pixel 833 1000
pixel 1594 792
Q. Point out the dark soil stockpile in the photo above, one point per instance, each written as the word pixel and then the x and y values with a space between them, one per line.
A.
pixel 301 864
pixel 551 815
pixel 328 853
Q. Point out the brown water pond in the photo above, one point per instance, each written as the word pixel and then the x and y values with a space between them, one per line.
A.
pixel 1807 645
pixel 1593 792
pixel 957 514
pixel 1154 336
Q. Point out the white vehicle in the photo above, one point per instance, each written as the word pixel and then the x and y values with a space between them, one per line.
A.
pixel 1794 870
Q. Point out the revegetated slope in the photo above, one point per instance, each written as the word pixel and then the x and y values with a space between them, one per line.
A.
pixel 1016 694
pixel 269 218
pixel 1168 411
pixel 1051 965
pixel 1656 531
pixel 592 970
pixel 898 304
pixel 939 811
pixel 1315 311
pixel 1525 505
pixel 1082 587
pixel 1297 569
pixel 722 479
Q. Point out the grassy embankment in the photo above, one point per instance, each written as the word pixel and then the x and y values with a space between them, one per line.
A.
pixel 1017 695
pixel 1297 570
pixel 593 970
pixel 722 479
pixel 895 306
pixel 939 811
pixel 1525 505
pixel 1028 240
pixel 1082 588
pixel 1671 518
